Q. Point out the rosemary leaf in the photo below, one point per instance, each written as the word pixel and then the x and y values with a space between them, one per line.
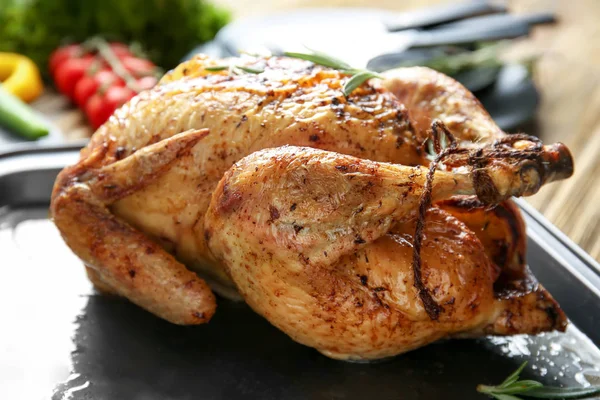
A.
pixel 250 69
pixel 217 68
pixel 562 393
pixel 358 79
pixel 505 397
pixel 452 64
pixel 512 378
pixel 321 59
pixel 529 388
pixel 519 387
pixel 343 64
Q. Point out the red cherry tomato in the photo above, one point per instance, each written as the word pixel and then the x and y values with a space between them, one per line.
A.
pixel 70 72
pixel 90 84
pixel 97 110
pixel 116 96
pixel 62 54
pixel 147 82
pixel 138 67
pixel 101 106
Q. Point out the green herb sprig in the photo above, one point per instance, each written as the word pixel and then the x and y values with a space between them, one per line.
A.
pixel 322 59
pixel 234 68
pixel 485 55
pixel 512 386
pixel 358 76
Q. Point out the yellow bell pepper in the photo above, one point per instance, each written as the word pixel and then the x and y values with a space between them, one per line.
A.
pixel 20 76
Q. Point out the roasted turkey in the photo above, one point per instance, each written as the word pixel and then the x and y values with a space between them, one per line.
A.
pixel 327 214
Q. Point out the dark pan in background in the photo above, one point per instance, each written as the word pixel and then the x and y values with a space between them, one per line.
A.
pixel 61 340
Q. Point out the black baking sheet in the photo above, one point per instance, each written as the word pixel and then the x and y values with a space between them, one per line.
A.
pixel 62 341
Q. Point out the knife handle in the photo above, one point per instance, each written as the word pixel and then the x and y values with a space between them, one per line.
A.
pixel 432 16
pixel 489 21
pixel 538 18
pixel 468 34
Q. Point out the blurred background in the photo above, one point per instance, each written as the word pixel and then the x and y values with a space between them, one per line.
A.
pixel 535 64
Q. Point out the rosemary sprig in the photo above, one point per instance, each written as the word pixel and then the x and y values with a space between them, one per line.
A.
pixel 529 388
pixel 358 79
pixel 358 76
pixel 250 69
pixel 217 68
pixel 452 64
pixel 244 68
pixel 321 59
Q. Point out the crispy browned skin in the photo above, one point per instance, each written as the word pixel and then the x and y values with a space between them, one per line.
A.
pixel 134 207
pixel 500 229
pixel 127 261
pixel 429 95
pixel 293 102
pixel 320 244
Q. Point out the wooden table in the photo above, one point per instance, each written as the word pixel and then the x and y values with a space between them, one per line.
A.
pixel 567 74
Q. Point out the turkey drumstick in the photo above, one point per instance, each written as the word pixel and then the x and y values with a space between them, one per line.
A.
pixel 306 233
pixel 431 96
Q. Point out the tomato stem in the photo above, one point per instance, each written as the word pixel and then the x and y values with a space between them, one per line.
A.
pixel 106 52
